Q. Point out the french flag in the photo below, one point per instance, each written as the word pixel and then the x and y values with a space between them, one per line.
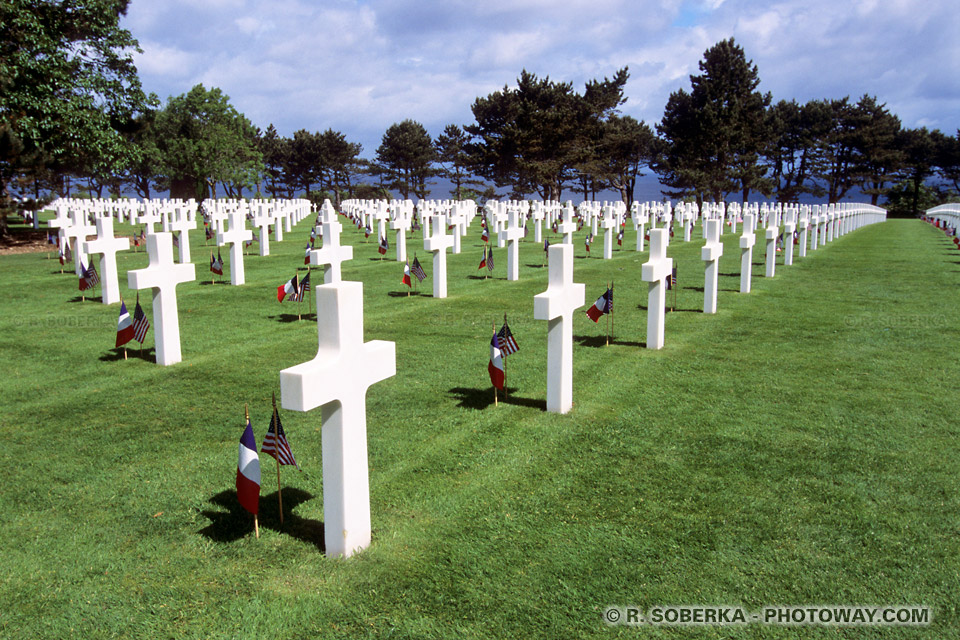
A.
pixel 495 368
pixel 248 472
pixel 287 288
pixel 406 275
pixel 124 326
pixel 601 306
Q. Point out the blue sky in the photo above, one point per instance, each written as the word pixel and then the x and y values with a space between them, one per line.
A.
pixel 360 66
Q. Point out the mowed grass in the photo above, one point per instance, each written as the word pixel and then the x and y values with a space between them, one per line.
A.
pixel 797 448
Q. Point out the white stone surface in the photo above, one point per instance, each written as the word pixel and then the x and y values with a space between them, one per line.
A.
pixel 747 240
pixel 710 254
pixel 556 305
pixel 235 236
pixel 331 254
pixel 107 246
pixel 337 380
pixel 437 244
pixel 162 276
pixel 512 235
pixel 655 271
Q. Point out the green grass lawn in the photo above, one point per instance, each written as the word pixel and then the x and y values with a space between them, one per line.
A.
pixel 798 448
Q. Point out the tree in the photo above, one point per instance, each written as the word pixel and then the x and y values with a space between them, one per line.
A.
pixel 405 156
pixel 68 86
pixel 919 148
pixel 791 152
pixel 880 155
pixel 627 146
pixel 948 160
pixel 532 137
pixel 716 132
pixel 454 161
pixel 203 140
pixel 341 160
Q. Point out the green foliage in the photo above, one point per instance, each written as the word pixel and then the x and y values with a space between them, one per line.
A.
pixel 405 156
pixel 203 140
pixel 715 133
pixel 904 201
pixel 533 136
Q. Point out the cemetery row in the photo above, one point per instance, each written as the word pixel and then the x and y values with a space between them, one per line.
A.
pixel 337 379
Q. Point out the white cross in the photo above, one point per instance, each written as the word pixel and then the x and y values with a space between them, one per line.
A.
pixel 747 240
pixel 455 220
pixel 263 222
pixel 568 226
pixel 149 216
pixel 710 254
pixel 538 214
pixel 609 224
pixel 556 305
pixel 182 222
pixel 803 224
pixel 336 380
pixel 401 223
pixel 771 233
pixel 108 246
pixel 162 276
pixel 438 243
pixel 789 225
pixel 236 236
pixel 332 253
pixel 512 233
pixel 655 271
pixel 75 235
pixel 640 219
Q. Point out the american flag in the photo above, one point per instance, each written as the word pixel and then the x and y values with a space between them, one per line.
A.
pixel 417 270
pixel 140 322
pixel 90 278
pixel 672 279
pixel 490 259
pixel 275 442
pixel 507 343
pixel 303 288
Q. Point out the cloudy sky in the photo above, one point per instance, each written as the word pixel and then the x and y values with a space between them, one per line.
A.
pixel 358 66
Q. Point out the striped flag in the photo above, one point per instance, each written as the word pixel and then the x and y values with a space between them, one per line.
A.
pixel 495 367
pixel 602 306
pixel 406 275
pixel 672 279
pixel 508 345
pixel 302 289
pixel 384 245
pixel 89 277
pixel 216 264
pixel 483 261
pixel 124 326
pixel 275 442
pixel 140 322
pixel 417 270
pixel 287 288
pixel 490 259
pixel 248 472
pixel 620 238
pixel 306 252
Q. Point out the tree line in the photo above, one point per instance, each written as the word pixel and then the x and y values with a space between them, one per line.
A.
pixel 73 116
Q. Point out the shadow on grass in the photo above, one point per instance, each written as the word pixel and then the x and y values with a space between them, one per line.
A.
pixel 483 398
pixel 401 294
pixel 730 275
pixel 207 283
pixel 133 353
pixel 64 273
pixel 292 317
pixel 700 289
pixel 601 341
pixel 535 266
pixel 88 299
pixel 480 278
pixel 232 522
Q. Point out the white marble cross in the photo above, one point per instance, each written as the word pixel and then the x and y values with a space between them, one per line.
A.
pixel 332 253
pixel 655 271
pixel 337 380
pixel 747 240
pixel 802 225
pixel 263 222
pixel 609 224
pixel 771 233
pixel 60 223
pixel 162 276
pixel 538 212
pixel 76 235
pixel 512 233
pixel 640 219
pixel 556 305
pixel 107 246
pixel 182 222
pixel 401 223
pixel 789 225
pixel 710 254
pixel 438 243
pixel 150 216
pixel 569 225
pixel 236 236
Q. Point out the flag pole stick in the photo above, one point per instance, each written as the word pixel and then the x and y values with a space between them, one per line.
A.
pixel 256 524
pixel 609 314
pixel 501 360
pixel 277 459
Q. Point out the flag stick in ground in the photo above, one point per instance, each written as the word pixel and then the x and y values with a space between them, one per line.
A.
pixel 504 364
pixel 277 459
pixel 256 524
pixel 674 291
pixel 610 314
pixel 494 324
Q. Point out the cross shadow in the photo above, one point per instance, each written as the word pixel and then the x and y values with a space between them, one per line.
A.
pixel 601 341
pixel 207 283
pixel 535 266
pixel 88 299
pixel 65 272
pixel 378 260
pixel 292 317
pixel 700 289
pixel 731 290
pixel 730 275
pixel 479 278
pixel 116 353
pixel 401 294
pixel 483 398
pixel 230 521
